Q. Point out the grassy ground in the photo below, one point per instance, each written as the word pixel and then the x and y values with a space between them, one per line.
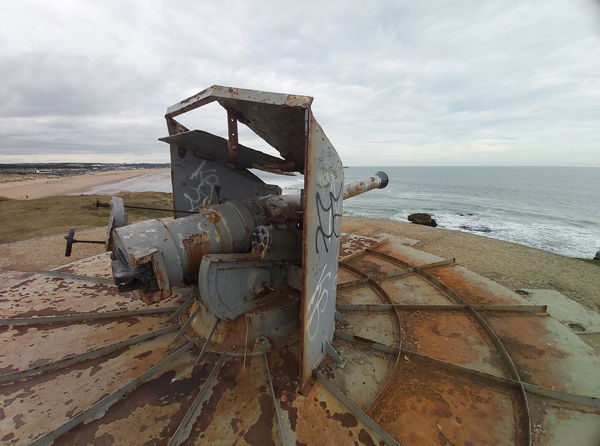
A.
pixel 24 219
pixel 592 261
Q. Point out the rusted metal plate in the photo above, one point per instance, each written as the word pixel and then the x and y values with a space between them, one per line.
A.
pixel 556 425
pixel 239 407
pixel 353 244
pixel 452 337
pixel 47 401
pixel 424 405
pixel 33 346
pixel 363 374
pixel 151 413
pixel 359 295
pixel 277 118
pixel 45 296
pixel 437 376
pixel 371 265
pixel 380 327
pixel 317 418
pixel 345 276
pixel 95 266
pixel 413 289
pixel 323 188
pixel 548 354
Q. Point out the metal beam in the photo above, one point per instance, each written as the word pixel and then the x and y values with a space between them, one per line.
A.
pixel 186 303
pixel 276 405
pixel 78 277
pixel 450 307
pixel 81 317
pixel 185 426
pixel 186 324
pixel 212 331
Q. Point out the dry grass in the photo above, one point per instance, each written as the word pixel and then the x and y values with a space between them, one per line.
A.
pixel 24 219
pixel 12 177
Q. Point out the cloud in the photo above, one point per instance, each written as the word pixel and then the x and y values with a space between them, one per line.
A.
pixel 394 83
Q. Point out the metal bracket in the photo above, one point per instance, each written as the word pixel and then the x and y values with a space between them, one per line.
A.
pixel 331 352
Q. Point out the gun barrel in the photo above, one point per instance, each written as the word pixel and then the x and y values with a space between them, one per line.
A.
pixel 376 181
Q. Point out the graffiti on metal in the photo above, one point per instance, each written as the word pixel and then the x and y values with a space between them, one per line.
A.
pixel 323 189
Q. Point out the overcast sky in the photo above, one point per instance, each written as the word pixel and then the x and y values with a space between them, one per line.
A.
pixel 395 83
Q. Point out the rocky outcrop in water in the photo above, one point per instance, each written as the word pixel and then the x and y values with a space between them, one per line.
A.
pixel 597 256
pixel 422 218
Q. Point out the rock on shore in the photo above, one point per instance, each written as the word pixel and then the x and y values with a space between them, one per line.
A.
pixel 422 218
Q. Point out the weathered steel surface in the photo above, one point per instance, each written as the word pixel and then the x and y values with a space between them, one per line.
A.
pixel 200 175
pixel 317 418
pixel 198 181
pixel 26 347
pixel 547 353
pixel 322 207
pixel 436 376
pixel 423 405
pixel 95 266
pixel 353 244
pixel 277 118
pixel 150 414
pixel 209 146
pixel 452 337
pixel 47 401
pixel 238 407
pixel 47 296
pixel 376 181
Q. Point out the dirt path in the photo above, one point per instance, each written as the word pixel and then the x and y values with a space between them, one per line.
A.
pixel 23 258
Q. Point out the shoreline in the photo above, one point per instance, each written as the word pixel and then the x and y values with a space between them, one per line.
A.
pixel 69 185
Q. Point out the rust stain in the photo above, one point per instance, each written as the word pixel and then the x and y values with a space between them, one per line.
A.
pixel 353 244
pixel 261 432
pixel 48 400
pixel 425 405
pixel 452 337
pixel 471 291
pixel 195 247
pixel 150 414
pixel 239 393
pixel 534 350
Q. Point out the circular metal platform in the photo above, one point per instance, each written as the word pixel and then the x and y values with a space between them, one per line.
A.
pixel 429 353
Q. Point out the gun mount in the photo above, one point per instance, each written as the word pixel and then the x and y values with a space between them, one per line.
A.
pixel 257 257
pixel 424 351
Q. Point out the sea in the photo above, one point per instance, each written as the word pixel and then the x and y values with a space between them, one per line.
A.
pixel 555 209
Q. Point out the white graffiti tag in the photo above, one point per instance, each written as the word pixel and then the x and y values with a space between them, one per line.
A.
pixel 318 302
pixel 205 189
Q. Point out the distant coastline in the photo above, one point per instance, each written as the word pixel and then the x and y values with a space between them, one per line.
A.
pixel 547 208
pixel 23 183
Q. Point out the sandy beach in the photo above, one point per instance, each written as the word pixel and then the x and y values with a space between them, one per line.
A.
pixel 69 185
